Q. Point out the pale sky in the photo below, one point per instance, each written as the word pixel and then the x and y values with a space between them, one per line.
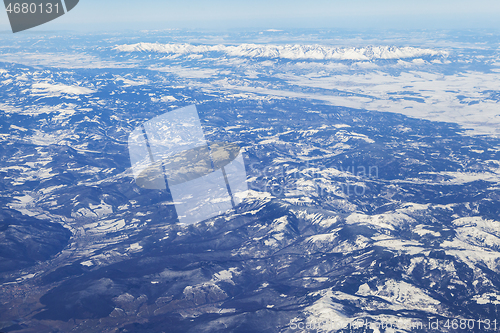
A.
pixel 278 14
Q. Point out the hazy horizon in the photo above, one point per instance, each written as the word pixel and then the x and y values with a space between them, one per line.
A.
pixel 223 14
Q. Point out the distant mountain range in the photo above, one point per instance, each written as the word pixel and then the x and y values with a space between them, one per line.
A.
pixel 288 51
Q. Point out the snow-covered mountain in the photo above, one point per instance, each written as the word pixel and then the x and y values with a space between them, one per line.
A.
pixel 287 51
pixel 356 218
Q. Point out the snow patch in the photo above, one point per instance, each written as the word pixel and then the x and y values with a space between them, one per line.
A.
pixel 402 293
pixel 56 90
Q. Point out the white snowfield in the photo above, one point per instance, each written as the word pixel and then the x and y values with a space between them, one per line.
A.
pixel 287 51
pixel 56 90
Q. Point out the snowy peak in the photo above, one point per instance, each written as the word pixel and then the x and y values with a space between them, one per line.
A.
pixel 287 51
